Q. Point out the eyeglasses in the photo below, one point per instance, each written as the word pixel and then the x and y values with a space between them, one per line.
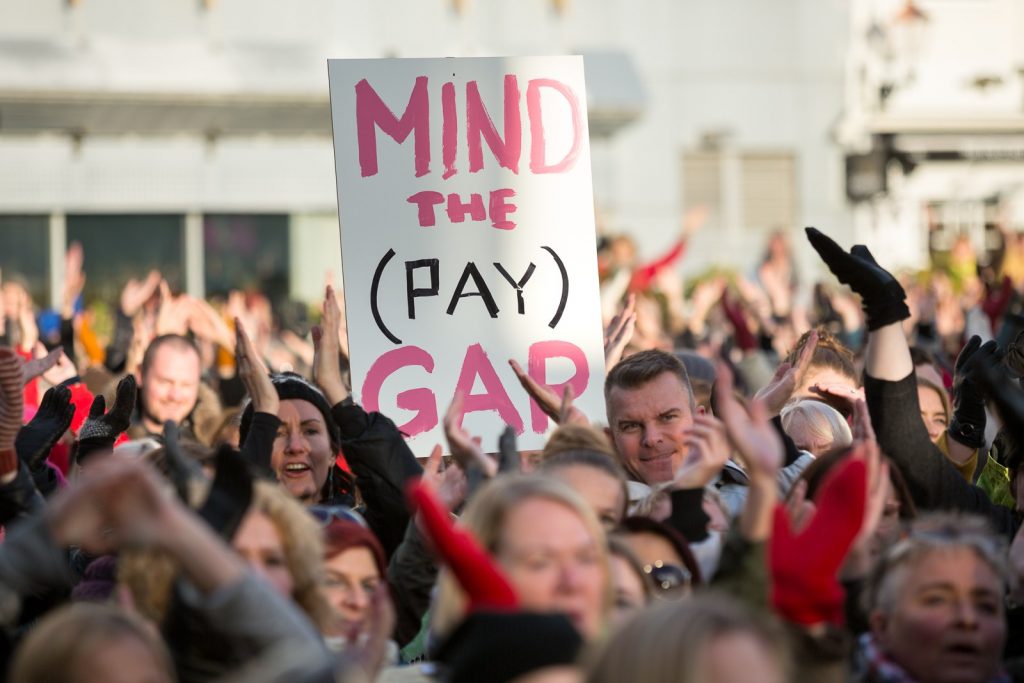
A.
pixel 671 580
pixel 325 514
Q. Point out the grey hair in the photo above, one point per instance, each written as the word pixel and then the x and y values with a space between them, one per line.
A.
pixel 941 531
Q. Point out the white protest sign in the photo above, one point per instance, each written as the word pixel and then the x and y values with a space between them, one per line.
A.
pixel 467 230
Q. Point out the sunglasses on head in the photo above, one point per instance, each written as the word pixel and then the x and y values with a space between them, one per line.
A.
pixel 325 514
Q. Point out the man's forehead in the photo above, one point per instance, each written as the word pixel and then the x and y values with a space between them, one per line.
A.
pixel 174 359
pixel 665 391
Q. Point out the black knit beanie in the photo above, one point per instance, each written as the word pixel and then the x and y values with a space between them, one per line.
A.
pixel 501 646
pixel 290 385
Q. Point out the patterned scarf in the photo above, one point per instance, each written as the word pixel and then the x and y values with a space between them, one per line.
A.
pixel 873 665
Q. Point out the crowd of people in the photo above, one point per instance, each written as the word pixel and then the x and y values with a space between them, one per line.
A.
pixel 792 482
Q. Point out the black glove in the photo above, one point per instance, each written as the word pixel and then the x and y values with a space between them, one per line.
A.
pixel 882 296
pixel 102 428
pixel 509 458
pixel 181 469
pixel 36 439
pixel 968 423
pixel 1006 396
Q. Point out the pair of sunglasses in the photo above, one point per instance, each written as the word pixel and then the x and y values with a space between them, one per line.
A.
pixel 325 514
pixel 669 579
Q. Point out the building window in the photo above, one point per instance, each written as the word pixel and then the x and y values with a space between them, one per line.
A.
pixel 119 247
pixel 24 254
pixel 768 190
pixel 248 252
pixel 744 190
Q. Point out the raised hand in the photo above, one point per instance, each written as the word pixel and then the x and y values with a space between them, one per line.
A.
pixel 38 366
pixel 74 278
pixel 968 423
pixel 370 653
pixel 174 313
pixel 449 484
pixel 63 370
pixel 136 293
pixel 1006 395
pixel 181 468
pixel 206 323
pixel 881 294
pixel 879 486
pixel 548 399
pixel 804 563
pixel 839 396
pixel 26 317
pixel 464 448
pixel 102 427
pixel 253 373
pixel 750 429
pixel 619 333
pixel 327 347
pixel 37 438
pixel 709 451
pixel 694 219
pixel 787 378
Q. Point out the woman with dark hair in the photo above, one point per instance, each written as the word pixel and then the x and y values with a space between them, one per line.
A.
pixel 664 555
pixel 294 431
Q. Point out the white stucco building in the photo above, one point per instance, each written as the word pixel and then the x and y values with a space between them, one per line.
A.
pixel 934 123
pixel 195 134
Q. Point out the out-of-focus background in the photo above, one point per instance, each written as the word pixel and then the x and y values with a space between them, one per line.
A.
pixel 194 135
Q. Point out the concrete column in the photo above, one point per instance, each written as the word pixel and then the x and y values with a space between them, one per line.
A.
pixel 195 259
pixel 58 245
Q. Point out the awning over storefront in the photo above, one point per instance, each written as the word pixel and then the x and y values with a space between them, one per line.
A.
pixel 188 88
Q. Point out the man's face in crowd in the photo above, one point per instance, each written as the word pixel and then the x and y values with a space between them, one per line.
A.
pixel 649 425
pixel 170 386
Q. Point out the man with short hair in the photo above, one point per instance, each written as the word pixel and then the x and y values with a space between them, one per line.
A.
pixel 169 383
pixel 650 408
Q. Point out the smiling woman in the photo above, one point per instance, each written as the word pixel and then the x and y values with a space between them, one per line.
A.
pixel 306 441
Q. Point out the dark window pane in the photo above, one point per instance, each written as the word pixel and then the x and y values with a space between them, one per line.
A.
pixel 24 254
pixel 246 251
pixel 120 247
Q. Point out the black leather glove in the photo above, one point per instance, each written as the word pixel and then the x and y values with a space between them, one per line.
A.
pixel 102 428
pixel 882 296
pixel 37 438
pixel 1007 397
pixel 968 423
pixel 181 468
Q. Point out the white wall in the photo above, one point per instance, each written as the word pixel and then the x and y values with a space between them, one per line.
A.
pixel 770 72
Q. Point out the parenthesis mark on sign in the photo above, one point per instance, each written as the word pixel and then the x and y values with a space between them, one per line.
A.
pixel 373 297
pixel 565 287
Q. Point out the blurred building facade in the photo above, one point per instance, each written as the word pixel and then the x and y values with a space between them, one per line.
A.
pixel 933 125
pixel 194 135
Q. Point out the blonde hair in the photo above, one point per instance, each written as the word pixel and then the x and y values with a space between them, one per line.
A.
pixel 149 574
pixel 485 519
pixel 55 650
pixel 667 643
pixel 822 426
